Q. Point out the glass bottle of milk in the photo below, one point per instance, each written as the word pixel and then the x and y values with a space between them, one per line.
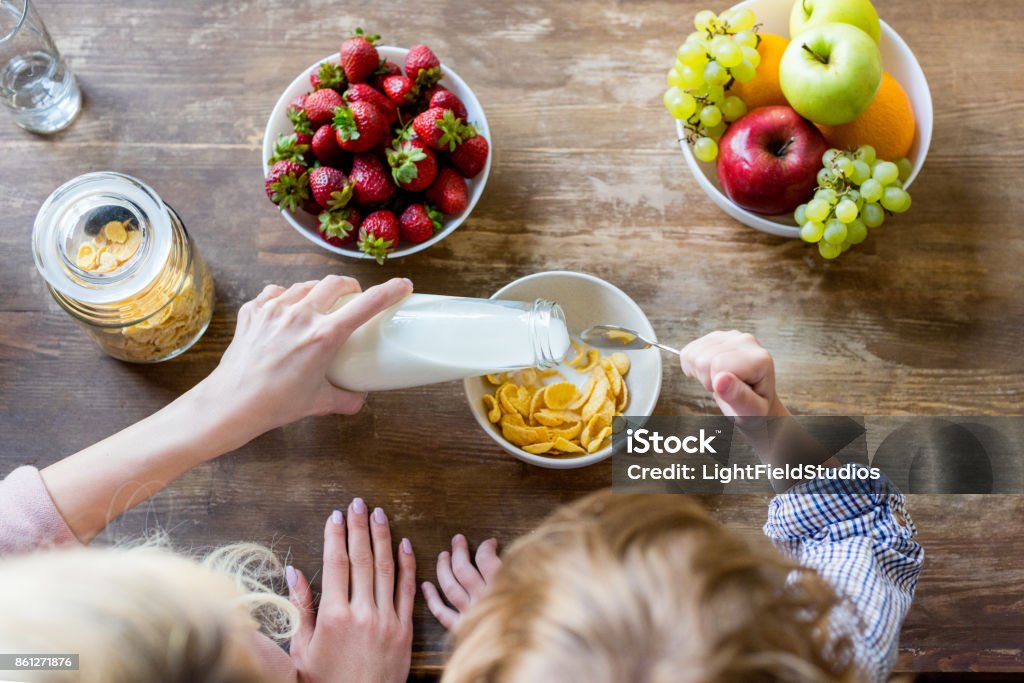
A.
pixel 428 338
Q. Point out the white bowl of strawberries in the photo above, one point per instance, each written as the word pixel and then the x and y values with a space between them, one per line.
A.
pixel 376 152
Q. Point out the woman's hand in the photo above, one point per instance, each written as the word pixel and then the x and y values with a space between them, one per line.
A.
pixel 462 583
pixel 274 371
pixel 363 629
pixel 737 370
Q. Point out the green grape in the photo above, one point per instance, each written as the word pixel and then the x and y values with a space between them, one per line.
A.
pixel 846 246
pixel 684 108
pixel 750 54
pixel 716 132
pixel 845 166
pixel 742 20
pixel 905 167
pixel 674 78
pixel 896 183
pixel 691 78
pixel 866 153
pixel 854 196
pixel 727 53
pixel 846 211
pixel 744 72
pixel 861 172
pixel 733 108
pixel 715 74
pixel 886 172
pixel 835 232
pixel 692 55
pixel 906 204
pixel 829 156
pixel 817 210
pixel 811 231
pixel 696 37
pixel 829 251
pixel 825 177
pixel 705 149
pixel 704 19
pixel 856 232
pixel 800 215
pixel 746 38
pixel 872 215
pixel 672 97
pixel 894 198
pixel 827 194
pixel 710 116
pixel 871 190
pixel 715 94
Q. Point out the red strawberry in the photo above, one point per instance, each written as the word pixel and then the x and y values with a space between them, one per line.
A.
pixel 359 57
pixel 371 180
pixel 340 226
pixel 448 192
pixel 287 185
pixel 329 75
pixel 325 147
pixel 297 115
pixel 361 92
pixel 419 222
pixel 385 69
pixel 330 187
pixel 413 165
pixel 360 126
pixel 320 106
pixel 288 147
pixel 400 89
pixel 439 128
pixel 422 65
pixel 446 99
pixel 470 157
pixel 378 235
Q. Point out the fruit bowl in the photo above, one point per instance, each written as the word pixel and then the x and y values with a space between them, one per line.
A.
pixel 897 59
pixel 587 301
pixel 306 224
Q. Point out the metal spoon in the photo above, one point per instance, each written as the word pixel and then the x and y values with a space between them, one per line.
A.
pixel 615 337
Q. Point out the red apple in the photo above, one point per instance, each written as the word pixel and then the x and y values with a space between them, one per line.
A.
pixel 768 160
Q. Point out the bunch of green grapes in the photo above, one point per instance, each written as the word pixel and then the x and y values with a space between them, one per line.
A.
pixel 722 50
pixel 855 193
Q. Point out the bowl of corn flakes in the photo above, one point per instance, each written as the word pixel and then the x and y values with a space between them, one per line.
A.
pixel 561 418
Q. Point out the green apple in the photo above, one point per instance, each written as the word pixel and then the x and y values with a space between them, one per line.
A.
pixel 809 13
pixel 830 73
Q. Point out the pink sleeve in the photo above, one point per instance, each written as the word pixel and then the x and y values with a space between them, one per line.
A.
pixel 273 659
pixel 29 520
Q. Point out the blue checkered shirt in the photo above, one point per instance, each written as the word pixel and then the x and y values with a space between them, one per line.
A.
pixel 859 537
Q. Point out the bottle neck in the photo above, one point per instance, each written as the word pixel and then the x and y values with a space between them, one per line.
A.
pixel 548 333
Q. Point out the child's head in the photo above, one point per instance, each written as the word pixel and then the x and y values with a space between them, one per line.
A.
pixel 143 614
pixel 646 589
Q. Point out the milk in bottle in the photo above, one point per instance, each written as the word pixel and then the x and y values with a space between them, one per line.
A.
pixel 428 338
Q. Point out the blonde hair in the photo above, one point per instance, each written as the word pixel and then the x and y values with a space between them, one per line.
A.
pixel 145 613
pixel 647 589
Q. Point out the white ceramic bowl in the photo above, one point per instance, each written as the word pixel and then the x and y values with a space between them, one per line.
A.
pixel 897 59
pixel 587 301
pixel 306 224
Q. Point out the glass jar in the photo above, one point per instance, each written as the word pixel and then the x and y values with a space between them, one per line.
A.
pixel 121 263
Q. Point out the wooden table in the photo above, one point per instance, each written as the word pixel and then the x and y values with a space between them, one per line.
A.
pixel 925 319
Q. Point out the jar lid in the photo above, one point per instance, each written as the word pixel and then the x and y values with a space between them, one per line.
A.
pixel 86 215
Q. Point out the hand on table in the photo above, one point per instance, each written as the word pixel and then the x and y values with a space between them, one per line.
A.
pixel 363 628
pixel 274 371
pixel 462 581
pixel 737 370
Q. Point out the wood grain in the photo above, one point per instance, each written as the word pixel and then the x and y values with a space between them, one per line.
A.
pixel 925 319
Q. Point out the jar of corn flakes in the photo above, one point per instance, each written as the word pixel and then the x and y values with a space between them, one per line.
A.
pixel 120 261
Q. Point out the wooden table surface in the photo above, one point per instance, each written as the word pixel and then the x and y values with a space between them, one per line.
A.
pixel 925 318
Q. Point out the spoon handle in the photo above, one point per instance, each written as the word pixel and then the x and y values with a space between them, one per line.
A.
pixel 663 347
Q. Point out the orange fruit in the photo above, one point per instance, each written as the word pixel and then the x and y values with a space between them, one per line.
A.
pixel 887 124
pixel 764 90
